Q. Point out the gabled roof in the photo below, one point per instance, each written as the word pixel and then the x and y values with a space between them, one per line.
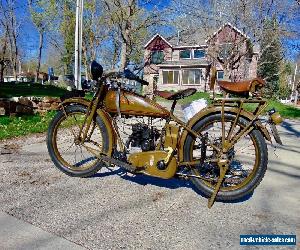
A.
pixel 154 37
pixel 192 38
pixel 188 38
pixel 223 26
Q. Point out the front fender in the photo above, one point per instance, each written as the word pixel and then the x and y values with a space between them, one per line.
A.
pixel 76 100
pixel 105 117
pixel 210 110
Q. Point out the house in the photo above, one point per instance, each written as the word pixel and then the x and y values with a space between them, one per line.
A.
pixel 186 60
pixel 26 77
pixel 20 78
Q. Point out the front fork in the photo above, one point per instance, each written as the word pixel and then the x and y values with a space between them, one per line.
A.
pixel 92 107
pixel 275 119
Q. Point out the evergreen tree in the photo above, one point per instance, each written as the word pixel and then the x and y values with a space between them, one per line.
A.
pixel 67 30
pixel 271 57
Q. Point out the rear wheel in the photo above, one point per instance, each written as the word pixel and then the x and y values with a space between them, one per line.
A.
pixel 248 158
pixel 69 155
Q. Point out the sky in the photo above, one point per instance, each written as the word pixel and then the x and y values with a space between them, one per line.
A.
pixel 28 34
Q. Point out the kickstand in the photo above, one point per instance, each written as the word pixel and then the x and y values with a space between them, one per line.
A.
pixel 223 169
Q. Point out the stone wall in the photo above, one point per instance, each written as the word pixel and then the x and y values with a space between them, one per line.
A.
pixel 28 105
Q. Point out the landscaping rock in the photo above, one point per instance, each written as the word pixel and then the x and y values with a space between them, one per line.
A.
pixel 2 111
pixel 22 109
pixel 47 99
pixel 25 101
pixel 54 106
pixel 46 105
pixel 8 106
pixel 50 99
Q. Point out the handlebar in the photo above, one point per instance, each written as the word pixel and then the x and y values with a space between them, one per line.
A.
pixel 126 74
pixel 131 76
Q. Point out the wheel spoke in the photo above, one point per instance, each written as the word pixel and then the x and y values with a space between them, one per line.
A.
pixel 70 153
pixel 241 157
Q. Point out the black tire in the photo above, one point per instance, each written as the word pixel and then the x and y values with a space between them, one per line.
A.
pixel 229 194
pixel 76 169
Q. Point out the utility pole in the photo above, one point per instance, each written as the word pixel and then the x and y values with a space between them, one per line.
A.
pixel 294 86
pixel 78 43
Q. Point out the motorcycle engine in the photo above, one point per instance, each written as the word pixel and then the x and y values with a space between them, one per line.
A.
pixel 143 137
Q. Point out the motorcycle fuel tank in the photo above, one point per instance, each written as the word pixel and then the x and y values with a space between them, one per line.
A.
pixel 134 104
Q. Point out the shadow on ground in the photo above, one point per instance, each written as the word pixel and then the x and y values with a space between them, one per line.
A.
pixel 289 127
pixel 173 183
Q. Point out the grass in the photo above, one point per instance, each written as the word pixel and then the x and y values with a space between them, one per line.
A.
pixel 16 126
pixel 8 90
pixel 23 125
pixel 286 111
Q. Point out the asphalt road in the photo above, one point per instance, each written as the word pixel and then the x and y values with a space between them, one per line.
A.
pixel 115 210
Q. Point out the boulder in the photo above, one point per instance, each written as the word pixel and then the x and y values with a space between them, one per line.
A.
pixel 46 105
pixel 2 111
pixel 21 109
pixel 48 99
pixel 54 106
pixel 25 101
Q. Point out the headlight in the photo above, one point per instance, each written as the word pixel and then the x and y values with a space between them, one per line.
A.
pixel 275 116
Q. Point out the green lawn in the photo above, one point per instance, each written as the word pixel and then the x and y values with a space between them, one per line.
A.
pixel 8 90
pixel 286 111
pixel 23 125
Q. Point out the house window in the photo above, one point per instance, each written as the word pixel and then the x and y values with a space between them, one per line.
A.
pixel 185 54
pixel 170 77
pixel 220 75
pixel 157 57
pixel 191 76
pixel 199 53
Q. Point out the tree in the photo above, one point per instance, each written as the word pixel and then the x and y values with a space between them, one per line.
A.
pixel 10 25
pixel 4 57
pixel 95 31
pixel 42 15
pixel 285 80
pixel 271 57
pixel 67 32
pixel 131 23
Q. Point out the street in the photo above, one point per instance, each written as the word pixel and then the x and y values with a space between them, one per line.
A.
pixel 115 210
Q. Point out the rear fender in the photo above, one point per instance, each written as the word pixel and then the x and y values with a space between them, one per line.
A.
pixel 215 110
pixel 105 117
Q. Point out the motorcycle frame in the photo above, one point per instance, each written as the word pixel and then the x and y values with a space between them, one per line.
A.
pixel 219 105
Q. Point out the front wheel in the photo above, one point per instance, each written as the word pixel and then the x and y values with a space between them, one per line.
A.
pixel 248 158
pixel 67 151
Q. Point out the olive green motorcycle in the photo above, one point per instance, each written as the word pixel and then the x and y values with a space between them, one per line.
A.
pixel 221 149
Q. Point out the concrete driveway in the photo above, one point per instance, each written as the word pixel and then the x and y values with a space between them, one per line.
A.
pixel 115 210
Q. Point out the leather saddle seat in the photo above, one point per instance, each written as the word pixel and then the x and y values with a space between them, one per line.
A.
pixel 242 88
pixel 177 95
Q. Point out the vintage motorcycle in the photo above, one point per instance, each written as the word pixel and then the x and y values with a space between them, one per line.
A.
pixel 221 149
